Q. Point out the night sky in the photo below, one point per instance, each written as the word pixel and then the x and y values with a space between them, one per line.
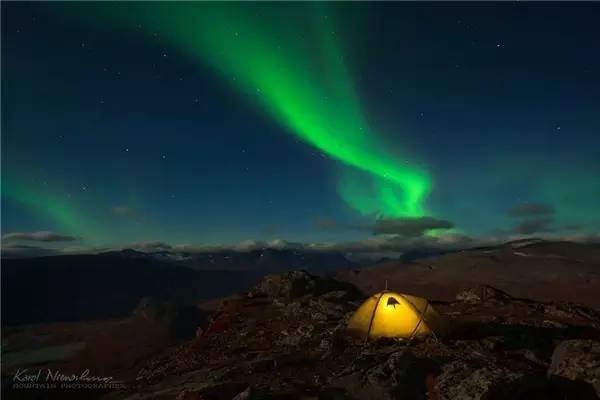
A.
pixel 212 124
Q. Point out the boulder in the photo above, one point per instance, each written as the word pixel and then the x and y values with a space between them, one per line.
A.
pixel 468 296
pixel 577 360
pixel 294 284
pixel 483 294
pixel 381 375
pixel 467 380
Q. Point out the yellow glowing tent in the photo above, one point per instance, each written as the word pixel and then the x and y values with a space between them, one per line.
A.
pixel 396 315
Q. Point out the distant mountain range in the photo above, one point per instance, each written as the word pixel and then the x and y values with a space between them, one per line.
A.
pixel 531 268
pixel 264 260
pixel 108 285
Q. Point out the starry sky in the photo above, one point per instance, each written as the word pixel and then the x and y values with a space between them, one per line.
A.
pixel 216 123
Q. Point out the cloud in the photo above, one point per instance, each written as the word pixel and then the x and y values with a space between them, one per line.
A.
pixel 531 210
pixel 84 250
pixel 40 236
pixel 150 246
pixel 584 238
pixel 406 227
pixel 399 244
pixel 246 245
pixel 14 250
pixel 371 247
pixel 409 227
pixel 26 251
pixel 373 244
pixel 278 244
pixel 534 226
pixel 535 218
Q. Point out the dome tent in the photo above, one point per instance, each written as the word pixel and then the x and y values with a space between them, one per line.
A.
pixel 395 315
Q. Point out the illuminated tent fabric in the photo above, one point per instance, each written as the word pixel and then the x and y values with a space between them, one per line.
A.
pixel 390 314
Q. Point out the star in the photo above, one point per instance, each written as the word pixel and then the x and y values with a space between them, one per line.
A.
pixel 126 150
pixel 164 157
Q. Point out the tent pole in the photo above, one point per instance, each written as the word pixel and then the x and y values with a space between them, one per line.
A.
pixel 420 321
pixel 373 317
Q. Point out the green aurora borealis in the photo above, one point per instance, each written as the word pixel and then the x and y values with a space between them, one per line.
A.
pixel 302 80
pixel 49 207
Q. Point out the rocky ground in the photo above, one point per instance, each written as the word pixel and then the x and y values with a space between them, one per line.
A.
pixel 286 339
